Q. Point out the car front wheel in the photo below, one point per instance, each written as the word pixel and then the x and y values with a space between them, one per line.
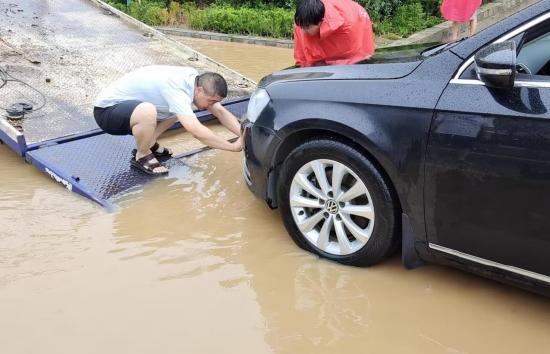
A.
pixel 335 203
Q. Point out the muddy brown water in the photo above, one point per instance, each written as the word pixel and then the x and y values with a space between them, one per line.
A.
pixel 198 265
pixel 253 61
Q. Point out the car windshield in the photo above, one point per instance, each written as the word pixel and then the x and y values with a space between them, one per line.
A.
pixel 412 52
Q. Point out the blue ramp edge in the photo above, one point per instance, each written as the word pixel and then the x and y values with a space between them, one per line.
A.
pixel 12 137
pixel 97 165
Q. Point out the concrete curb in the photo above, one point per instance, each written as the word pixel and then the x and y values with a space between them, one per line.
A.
pixel 283 43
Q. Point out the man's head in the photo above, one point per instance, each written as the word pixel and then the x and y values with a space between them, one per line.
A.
pixel 210 88
pixel 309 15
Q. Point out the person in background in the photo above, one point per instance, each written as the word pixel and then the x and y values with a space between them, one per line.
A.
pixel 331 32
pixel 460 11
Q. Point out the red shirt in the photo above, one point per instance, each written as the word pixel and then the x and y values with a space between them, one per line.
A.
pixel 459 10
pixel 345 36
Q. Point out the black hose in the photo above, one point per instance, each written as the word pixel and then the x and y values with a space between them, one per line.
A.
pixel 5 77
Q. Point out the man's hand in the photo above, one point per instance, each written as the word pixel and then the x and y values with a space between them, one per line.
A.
pixel 238 145
pixel 207 136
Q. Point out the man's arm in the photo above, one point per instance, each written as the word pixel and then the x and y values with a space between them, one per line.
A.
pixel 207 136
pixel 226 118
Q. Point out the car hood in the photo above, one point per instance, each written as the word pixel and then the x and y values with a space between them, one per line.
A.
pixel 387 63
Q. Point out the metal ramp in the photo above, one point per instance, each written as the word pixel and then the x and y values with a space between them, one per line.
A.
pixel 97 165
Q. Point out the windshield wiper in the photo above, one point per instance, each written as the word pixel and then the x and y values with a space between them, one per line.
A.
pixel 440 48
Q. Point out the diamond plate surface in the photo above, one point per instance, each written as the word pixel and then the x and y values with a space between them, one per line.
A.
pixel 100 164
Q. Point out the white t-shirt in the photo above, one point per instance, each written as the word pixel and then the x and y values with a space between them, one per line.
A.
pixel 169 88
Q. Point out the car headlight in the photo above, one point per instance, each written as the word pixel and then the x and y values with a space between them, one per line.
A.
pixel 258 101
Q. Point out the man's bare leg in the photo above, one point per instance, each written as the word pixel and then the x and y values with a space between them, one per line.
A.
pixel 143 123
pixel 164 126
pixel 473 26
pixel 454 31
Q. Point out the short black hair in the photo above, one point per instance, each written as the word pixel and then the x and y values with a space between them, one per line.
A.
pixel 214 84
pixel 309 12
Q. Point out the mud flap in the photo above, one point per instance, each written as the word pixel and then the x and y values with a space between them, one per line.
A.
pixel 409 256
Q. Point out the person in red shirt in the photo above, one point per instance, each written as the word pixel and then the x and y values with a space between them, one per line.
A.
pixel 331 32
pixel 460 11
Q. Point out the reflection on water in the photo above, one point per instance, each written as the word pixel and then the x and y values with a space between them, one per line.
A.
pixel 193 263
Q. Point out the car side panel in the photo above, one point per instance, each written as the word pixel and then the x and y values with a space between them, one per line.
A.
pixel 488 175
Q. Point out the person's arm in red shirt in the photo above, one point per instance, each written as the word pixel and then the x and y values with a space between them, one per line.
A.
pixel 299 56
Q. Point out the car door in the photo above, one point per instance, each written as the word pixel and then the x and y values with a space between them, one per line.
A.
pixel 487 191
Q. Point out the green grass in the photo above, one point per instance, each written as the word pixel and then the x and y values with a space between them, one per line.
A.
pixel 408 19
pixel 268 21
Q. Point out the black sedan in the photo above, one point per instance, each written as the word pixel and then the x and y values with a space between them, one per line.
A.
pixel 442 150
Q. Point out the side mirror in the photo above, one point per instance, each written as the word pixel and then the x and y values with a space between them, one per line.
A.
pixel 496 64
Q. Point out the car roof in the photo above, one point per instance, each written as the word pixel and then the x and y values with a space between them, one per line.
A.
pixel 468 47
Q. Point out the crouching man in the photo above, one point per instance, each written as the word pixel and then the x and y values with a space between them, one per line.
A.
pixel 146 102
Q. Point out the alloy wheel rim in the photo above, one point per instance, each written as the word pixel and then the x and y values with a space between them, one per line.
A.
pixel 332 207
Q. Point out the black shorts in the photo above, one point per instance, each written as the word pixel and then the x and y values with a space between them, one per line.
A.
pixel 115 120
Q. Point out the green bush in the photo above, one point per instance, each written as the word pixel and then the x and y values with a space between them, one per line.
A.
pixel 409 18
pixel 152 12
pixel 118 5
pixel 430 7
pixel 380 9
pixel 272 22
pixel 286 4
pixel 149 13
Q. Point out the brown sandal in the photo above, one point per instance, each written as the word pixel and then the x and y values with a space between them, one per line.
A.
pixel 146 164
pixel 164 153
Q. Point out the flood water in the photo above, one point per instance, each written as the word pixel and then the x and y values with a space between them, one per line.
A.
pixel 198 265
pixel 253 61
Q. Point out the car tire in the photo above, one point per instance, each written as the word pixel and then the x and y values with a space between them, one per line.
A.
pixel 369 222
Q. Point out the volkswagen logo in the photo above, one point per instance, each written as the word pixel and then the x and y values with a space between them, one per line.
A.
pixel 331 206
